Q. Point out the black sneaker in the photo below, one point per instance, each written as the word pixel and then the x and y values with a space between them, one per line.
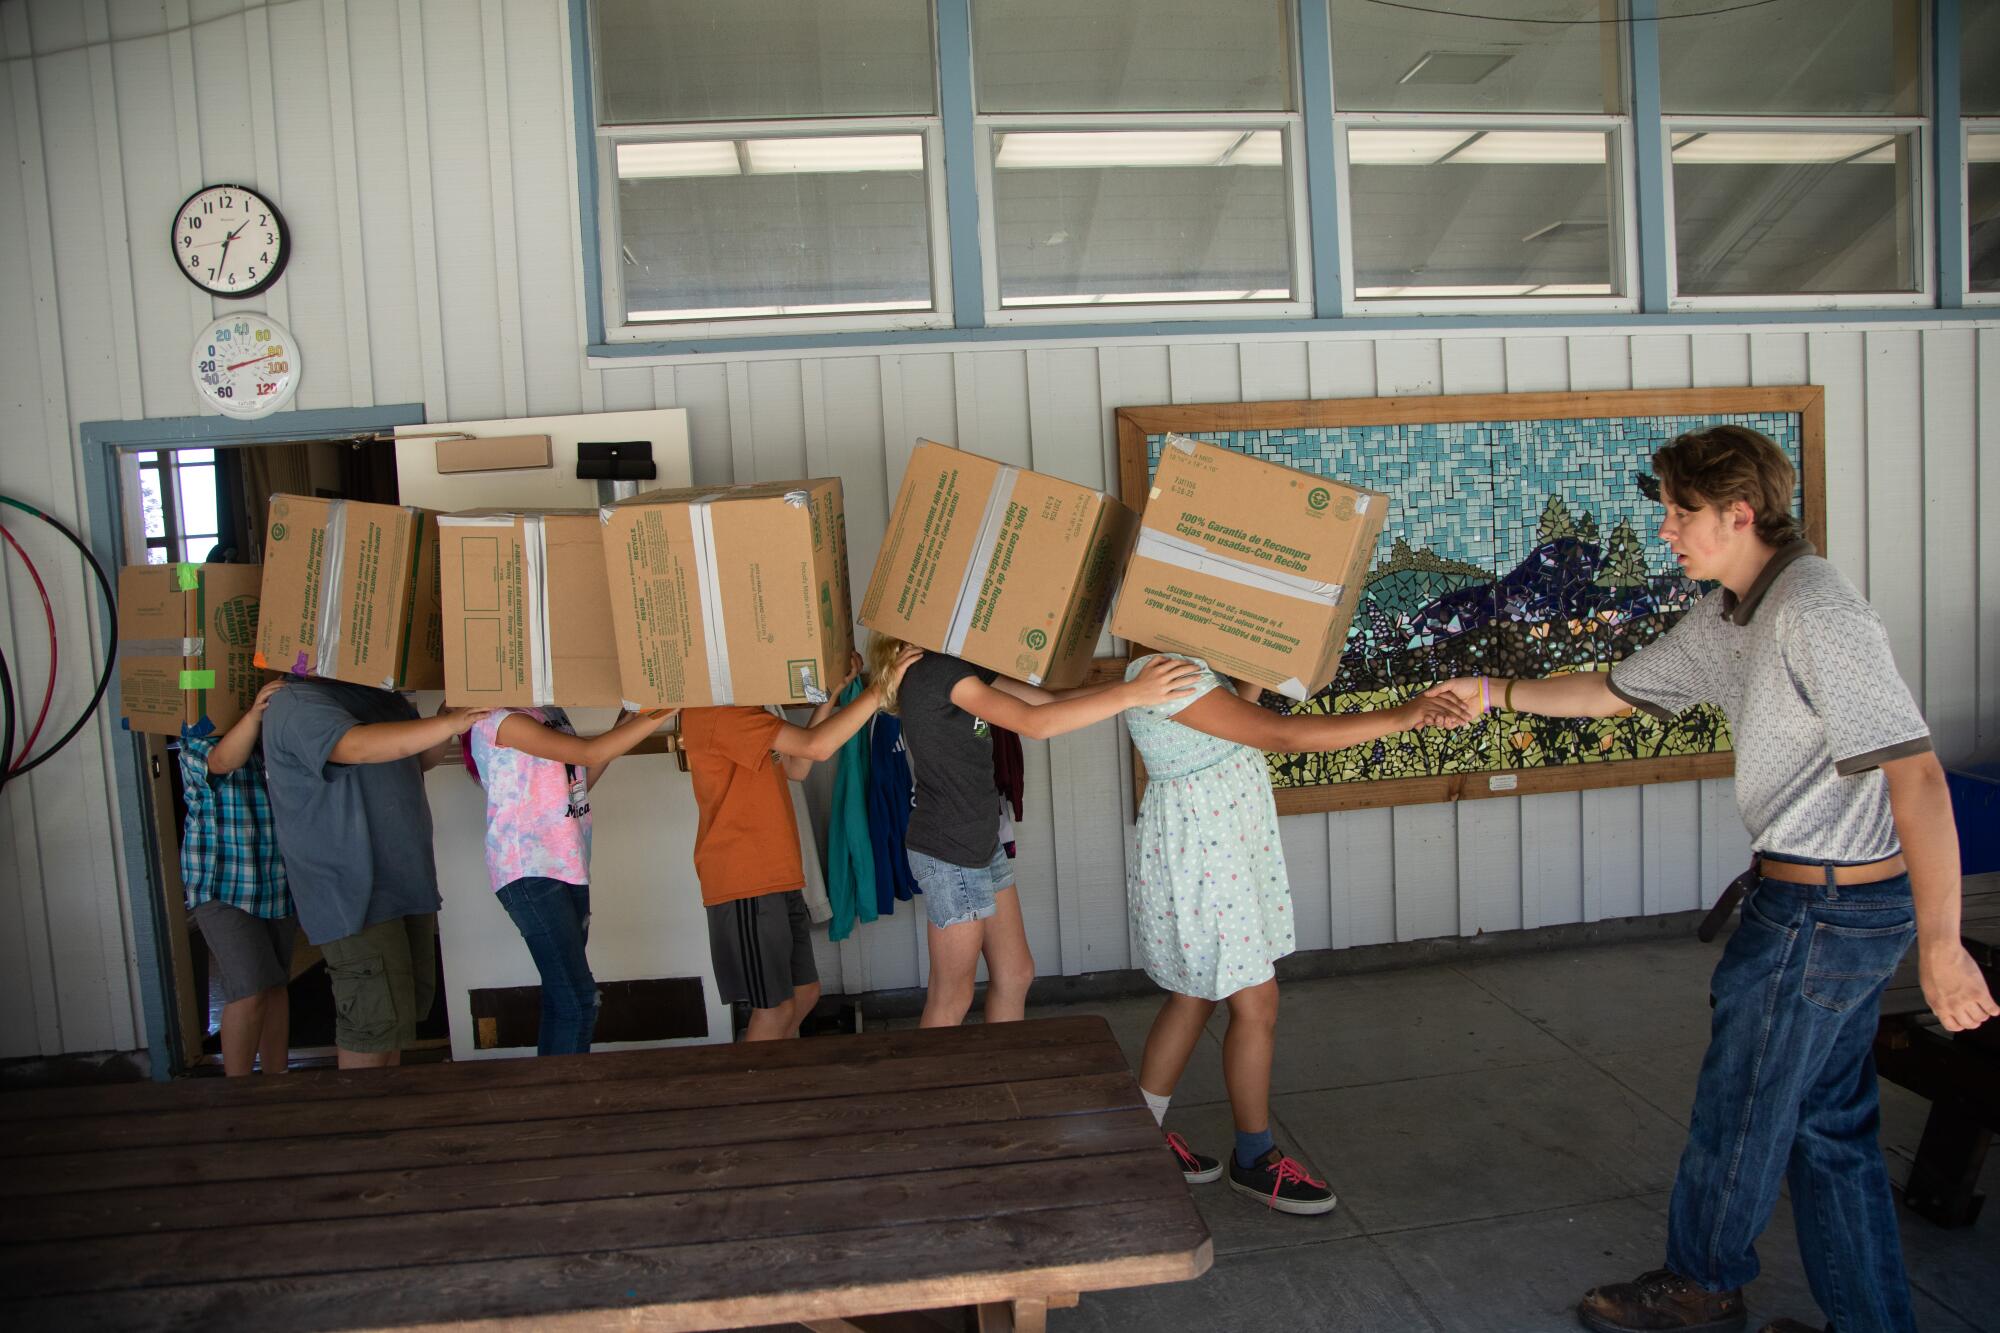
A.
pixel 1659 1301
pixel 1194 1168
pixel 1282 1183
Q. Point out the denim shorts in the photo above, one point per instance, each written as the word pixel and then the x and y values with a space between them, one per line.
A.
pixel 954 894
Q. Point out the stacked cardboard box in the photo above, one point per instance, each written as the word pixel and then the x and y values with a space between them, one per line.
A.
pixel 187 639
pixel 351 593
pixel 1255 568
pixel 998 565
pixel 729 595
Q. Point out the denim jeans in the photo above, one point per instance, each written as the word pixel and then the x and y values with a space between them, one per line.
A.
pixel 554 919
pixel 1787 1091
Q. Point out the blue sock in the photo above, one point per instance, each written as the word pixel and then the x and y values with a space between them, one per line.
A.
pixel 1249 1147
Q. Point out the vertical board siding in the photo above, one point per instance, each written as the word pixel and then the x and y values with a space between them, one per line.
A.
pixel 424 158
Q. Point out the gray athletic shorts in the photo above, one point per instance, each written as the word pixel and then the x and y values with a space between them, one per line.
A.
pixel 762 948
pixel 249 953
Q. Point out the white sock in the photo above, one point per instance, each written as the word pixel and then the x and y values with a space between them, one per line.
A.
pixel 1157 1105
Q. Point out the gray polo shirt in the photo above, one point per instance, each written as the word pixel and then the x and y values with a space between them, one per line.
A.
pixel 1802 669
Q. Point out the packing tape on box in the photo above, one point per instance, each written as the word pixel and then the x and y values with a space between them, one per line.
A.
pixel 326 637
pixel 1199 559
pixel 194 647
pixel 197 680
pixel 187 577
pixel 539 651
pixel 966 605
pixel 715 634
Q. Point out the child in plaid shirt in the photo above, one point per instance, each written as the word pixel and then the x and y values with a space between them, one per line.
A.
pixel 236 891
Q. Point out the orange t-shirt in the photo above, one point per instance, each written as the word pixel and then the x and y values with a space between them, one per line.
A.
pixel 747 843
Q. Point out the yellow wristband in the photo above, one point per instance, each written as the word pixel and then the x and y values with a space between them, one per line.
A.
pixel 1507 696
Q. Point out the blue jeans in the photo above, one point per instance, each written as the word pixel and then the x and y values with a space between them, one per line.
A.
pixel 554 919
pixel 1787 1091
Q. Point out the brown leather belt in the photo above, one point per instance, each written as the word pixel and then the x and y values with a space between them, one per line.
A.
pixel 1792 872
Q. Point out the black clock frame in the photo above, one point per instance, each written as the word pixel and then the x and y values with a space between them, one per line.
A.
pixel 284 243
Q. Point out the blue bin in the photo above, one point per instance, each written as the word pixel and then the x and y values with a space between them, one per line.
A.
pixel 1975 804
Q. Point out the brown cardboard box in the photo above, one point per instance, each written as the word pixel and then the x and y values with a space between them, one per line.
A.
pixel 187 639
pixel 1001 566
pixel 492 453
pixel 767 563
pixel 527 613
pixel 1253 567
pixel 351 593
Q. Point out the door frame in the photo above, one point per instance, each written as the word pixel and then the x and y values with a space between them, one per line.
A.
pixel 104 443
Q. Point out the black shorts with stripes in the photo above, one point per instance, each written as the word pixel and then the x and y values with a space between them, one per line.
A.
pixel 762 948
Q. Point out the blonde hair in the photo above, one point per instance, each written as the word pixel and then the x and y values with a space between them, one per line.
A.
pixel 881 655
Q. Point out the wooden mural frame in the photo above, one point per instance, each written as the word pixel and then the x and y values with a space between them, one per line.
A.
pixel 1808 402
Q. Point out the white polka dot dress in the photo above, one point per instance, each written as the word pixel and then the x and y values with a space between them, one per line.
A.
pixel 1211 908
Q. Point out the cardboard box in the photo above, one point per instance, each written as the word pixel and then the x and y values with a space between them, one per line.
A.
pixel 1255 568
pixel 351 593
pixel 492 453
pixel 1001 566
pixel 527 613
pixel 729 595
pixel 187 640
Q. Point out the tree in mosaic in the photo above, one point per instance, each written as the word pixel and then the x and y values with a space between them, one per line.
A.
pixel 1624 563
pixel 1556 522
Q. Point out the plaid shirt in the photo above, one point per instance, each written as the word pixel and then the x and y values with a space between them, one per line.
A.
pixel 229 850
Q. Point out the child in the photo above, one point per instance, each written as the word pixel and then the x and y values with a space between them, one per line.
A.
pixel 1210 906
pixel 746 850
pixel 538 774
pixel 345 764
pixel 948 707
pixel 236 893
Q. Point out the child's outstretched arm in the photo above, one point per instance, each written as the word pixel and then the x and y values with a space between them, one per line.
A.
pixel 593 754
pixel 1039 714
pixel 800 747
pixel 386 742
pixel 1233 718
pixel 233 750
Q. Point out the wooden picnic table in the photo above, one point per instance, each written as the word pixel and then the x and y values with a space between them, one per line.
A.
pixel 989 1172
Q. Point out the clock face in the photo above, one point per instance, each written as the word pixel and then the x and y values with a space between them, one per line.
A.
pixel 245 365
pixel 230 241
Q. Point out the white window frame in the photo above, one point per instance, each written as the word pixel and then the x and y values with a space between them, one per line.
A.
pixel 1288 124
pixel 1625 278
pixel 1924 224
pixel 618 328
pixel 1968 127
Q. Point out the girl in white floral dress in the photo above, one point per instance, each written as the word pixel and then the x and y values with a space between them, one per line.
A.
pixel 1210 906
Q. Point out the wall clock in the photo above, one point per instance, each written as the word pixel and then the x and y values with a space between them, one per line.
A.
pixel 230 241
pixel 245 365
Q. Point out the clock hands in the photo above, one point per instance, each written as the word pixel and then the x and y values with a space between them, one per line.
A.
pixel 223 258
pixel 253 361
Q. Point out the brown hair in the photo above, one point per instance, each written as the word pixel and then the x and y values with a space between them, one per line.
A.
pixel 1723 464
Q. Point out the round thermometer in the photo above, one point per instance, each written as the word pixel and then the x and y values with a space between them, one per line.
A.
pixel 245 365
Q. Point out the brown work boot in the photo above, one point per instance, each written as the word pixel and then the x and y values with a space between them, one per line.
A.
pixel 1792 1326
pixel 1659 1301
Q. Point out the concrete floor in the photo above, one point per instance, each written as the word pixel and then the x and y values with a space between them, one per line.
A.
pixel 1502 1135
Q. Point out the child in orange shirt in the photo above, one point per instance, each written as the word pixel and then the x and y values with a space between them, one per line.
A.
pixel 746 846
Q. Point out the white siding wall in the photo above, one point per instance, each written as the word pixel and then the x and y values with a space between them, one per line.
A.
pixel 422 153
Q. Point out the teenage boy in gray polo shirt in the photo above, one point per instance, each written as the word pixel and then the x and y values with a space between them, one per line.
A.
pixel 1849 816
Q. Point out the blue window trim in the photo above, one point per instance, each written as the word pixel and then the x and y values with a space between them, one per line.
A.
pixel 103 442
pixel 955 100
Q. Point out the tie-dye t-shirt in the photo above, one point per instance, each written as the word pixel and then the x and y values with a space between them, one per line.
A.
pixel 537 810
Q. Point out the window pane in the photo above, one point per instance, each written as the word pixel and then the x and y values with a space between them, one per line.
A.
pixel 1466 213
pixel 734 229
pixel 1123 217
pixel 1390 59
pixel 1982 199
pixel 1839 56
pixel 1979 57
pixel 194 455
pixel 152 502
pixel 156 555
pixel 1132 55
pixel 1759 212
pixel 197 487
pixel 667 60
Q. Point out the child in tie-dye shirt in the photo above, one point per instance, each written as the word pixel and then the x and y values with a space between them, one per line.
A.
pixel 538 773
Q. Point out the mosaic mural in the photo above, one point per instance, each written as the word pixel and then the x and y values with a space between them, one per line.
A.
pixel 1512 548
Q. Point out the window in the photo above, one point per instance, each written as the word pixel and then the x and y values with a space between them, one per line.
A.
pixel 1138 154
pixel 1485 163
pixel 774 164
pixel 1796 139
pixel 177 495
pixel 1979 85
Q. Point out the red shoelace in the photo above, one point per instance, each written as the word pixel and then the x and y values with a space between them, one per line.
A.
pixel 1181 1150
pixel 1288 1172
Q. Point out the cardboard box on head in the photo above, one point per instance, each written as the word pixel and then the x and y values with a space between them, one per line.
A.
pixel 187 641
pixel 1001 566
pixel 527 612
pixel 1252 567
pixel 729 595
pixel 351 593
